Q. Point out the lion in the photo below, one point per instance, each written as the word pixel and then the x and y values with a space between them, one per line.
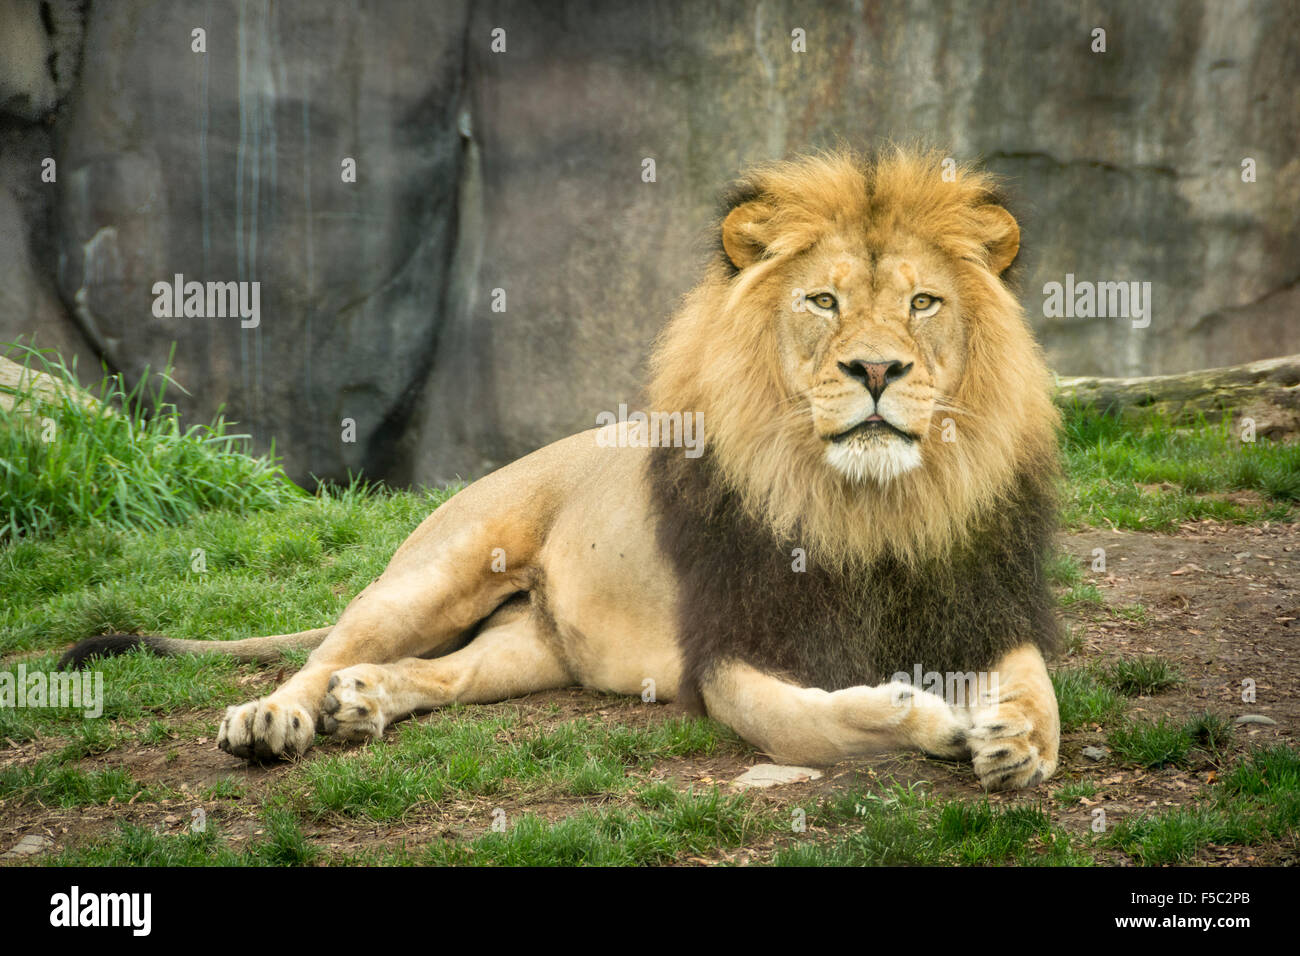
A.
pixel 871 499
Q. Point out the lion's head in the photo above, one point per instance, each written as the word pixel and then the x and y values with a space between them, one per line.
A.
pixel 868 382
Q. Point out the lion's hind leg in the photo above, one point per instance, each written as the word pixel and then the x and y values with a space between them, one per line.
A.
pixel 426 606
pixel 505 661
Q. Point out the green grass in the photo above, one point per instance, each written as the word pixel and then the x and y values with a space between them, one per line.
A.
pixel 1082 595
pixel 669 826
pixel 266 573
pixel 1083 700
pixel 94 580
pixel 1063 570
pixel 1171 743
pixel 1107 458
pixel 1141 676
pixel 283 844
pixel 1268 772
pixel 1158 744
pixel 1212 733
pixel 1254 803
pixel 1133 613
pixel 664 826
pixel 136 687
pixel 1092 694
pixel 460 753
pixel 906 827
pixel 1072 792
pixel 48 783
pixel 125 463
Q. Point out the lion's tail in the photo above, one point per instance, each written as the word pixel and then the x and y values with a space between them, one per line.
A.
pixel 261 649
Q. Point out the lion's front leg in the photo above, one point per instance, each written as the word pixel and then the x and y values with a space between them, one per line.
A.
pixel 805 725
pixel 1015 737
pixel 1012 738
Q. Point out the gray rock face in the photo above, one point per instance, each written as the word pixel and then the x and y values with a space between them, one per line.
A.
pixel 26 86
pixel 30 310
pixel 523 170
pixel 229 166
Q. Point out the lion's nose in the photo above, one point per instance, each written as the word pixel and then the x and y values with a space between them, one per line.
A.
pixel 875 376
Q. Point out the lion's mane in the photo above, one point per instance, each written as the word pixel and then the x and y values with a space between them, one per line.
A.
pixel 942 568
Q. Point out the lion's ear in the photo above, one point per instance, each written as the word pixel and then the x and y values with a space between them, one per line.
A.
pixel 1001 236
pixel 743 233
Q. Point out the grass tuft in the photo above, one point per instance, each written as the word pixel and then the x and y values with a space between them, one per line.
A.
pixel 1159 744
pixel 1083 700
pixel 48 782
pixel 122 461
pixel 1141 676
pixel 1143 473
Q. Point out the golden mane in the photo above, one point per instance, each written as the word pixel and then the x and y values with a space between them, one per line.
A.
pixel 718 355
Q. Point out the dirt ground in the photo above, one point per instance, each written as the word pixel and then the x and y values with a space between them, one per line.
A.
pixel 1220 602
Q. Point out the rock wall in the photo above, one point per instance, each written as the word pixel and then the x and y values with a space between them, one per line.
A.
pixel 489 178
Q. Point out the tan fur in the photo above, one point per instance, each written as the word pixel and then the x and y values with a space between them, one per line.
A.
pixel 587 597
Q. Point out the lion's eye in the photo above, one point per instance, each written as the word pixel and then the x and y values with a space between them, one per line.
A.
pixel 924 303
pixel 823 300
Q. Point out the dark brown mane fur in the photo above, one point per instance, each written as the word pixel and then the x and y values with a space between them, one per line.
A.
pixel 740 598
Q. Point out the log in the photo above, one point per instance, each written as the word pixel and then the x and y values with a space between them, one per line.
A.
pixel 1267 392
pixel 23 389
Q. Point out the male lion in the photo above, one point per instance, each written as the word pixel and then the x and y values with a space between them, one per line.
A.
pixel 874 499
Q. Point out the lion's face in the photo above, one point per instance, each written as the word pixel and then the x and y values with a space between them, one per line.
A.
pixel 876 344
pixel 866 377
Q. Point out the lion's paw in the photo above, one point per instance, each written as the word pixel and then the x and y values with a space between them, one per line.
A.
pixel 1005 754
pixel 354 704
pixel 266 728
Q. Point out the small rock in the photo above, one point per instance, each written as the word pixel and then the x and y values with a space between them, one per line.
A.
pixel 29 845
pixel 774 774
pixel 1095 753
pixel 1255 719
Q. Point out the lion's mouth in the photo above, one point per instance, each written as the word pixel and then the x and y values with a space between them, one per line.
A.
pixel 872 425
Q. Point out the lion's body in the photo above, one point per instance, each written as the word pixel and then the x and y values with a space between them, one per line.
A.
pixel 874 496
